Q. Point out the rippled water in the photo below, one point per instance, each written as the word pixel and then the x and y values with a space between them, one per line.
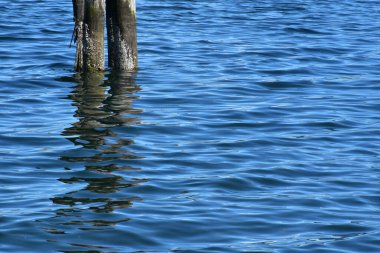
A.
pixel 251 126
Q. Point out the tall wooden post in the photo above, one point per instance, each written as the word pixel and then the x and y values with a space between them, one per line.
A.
pixel 122 35
pixel 93 39
pixel 78 6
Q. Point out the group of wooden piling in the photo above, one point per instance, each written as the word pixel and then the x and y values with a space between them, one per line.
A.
pixel 89 17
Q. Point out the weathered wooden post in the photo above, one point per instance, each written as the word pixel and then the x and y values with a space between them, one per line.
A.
pixel 78 6
pixel 122 35
pixel 93 39
pixel 89 35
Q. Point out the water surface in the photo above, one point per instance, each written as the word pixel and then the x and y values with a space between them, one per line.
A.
pixel 251 126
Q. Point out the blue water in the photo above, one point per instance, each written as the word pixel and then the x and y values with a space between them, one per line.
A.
pixel 251 126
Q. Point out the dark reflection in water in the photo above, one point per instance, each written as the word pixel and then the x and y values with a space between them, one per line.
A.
pixel 97 168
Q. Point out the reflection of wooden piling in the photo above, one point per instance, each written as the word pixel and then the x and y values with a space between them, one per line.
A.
pixel 93 51
pixel 122 37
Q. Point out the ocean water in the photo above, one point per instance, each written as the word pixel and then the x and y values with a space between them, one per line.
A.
pixel 250 126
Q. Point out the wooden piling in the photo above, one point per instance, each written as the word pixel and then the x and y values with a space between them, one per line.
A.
pixel 93 39
pixel 121 34
pixel 89 34
pixel 78 6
